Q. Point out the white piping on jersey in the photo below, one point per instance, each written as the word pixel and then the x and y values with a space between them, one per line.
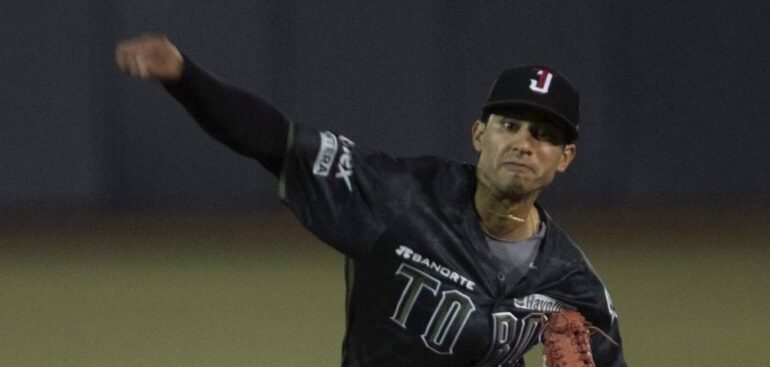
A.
pixel 610 307
pixel 289 147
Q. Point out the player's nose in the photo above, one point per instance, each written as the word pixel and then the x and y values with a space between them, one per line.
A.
pixel 521 141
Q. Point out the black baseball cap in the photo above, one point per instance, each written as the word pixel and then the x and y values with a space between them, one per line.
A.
pixel 537 87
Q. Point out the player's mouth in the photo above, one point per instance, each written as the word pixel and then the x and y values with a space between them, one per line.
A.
pixel 518 167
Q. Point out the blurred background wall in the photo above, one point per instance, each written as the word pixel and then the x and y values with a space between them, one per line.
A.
pixel 675 94
pixel 130 238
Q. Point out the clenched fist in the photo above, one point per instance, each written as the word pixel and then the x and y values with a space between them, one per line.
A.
pixel 150 56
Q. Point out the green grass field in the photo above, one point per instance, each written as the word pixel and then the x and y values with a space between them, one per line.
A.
pixel 228 292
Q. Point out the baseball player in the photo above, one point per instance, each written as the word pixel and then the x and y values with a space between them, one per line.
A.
pixel 447 264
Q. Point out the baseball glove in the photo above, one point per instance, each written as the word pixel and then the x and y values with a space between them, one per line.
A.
pixel 566 341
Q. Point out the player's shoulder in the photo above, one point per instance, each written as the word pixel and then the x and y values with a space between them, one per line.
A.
pixel 427 178
pixel 327 151
pixel 566 255
pixel 561 245
pixel 584 286
pixel 431 166
pixel 328 143
pixel 441 175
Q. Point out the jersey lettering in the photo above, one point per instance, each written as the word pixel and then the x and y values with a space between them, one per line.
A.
pixel 417 281
pixel 512 337
pixel 449 316
pixel 448 321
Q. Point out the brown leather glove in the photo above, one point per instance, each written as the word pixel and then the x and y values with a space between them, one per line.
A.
pixel 566 341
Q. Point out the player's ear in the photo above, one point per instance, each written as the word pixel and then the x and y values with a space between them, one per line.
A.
pixel 566 157
pixel 477 130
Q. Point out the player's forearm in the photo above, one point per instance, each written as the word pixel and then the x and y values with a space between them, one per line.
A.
pixel 243 122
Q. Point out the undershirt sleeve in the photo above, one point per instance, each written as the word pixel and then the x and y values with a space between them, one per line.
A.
pixel 244 122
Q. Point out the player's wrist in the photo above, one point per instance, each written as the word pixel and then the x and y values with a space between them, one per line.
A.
pixel 178 73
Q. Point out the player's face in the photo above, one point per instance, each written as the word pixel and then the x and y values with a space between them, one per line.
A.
pixel 519 153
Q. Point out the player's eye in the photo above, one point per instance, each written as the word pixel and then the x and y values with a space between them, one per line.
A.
pixel 547 133
pixel 541 133
pixel 512 126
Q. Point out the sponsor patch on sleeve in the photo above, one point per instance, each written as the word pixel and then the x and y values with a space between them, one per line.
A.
pixel 345 164
pixel 326 152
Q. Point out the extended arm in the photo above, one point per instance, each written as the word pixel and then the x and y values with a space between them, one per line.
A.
pixel 244 122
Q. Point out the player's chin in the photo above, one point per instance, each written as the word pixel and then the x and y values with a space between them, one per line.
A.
pixel 516 178
pixel 515 187
pixel 524 186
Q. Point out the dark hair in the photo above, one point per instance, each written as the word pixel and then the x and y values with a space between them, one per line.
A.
pixel 485 116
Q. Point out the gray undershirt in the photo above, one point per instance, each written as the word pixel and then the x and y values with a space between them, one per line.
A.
pixel 516 256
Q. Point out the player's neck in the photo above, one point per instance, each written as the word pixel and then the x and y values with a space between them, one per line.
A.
pixel 507 218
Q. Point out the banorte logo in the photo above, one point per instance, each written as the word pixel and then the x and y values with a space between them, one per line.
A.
pixel 409 254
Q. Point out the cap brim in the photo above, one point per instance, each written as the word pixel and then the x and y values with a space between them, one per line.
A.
pixel 563 121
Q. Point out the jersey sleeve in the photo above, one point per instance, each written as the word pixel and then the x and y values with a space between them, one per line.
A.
pixel 606 346
pixel 608 350
pixel 242 121
pixel 343 194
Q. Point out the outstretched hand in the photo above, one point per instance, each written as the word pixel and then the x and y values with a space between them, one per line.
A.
pixel 149 56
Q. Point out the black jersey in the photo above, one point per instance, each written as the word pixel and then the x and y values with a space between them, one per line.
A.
pixel 423 288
